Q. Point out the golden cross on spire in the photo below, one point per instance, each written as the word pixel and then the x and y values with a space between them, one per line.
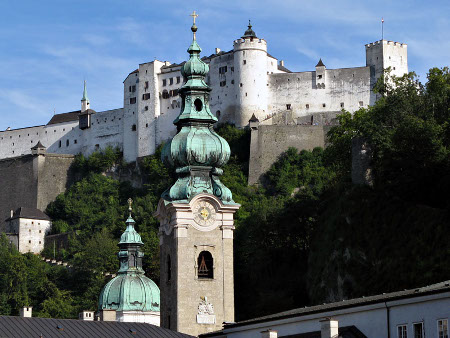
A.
pixel 130 202
pixel 194 16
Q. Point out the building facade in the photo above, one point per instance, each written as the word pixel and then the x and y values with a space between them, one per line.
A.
pixel 244 81
pixel 419 313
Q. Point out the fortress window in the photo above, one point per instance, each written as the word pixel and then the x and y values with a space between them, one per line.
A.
pixel 133 127
pixel 361 103
pixel 29 242
pixel 165 94
pixel 169 268
pixel 245 62
pixel 232 81
pixel 418 330
pixel 175 92
pixel 307 106
pixel 146 84
pixel 164 82
pixel 171 81
pixel 240 85
pixel 39 242
pixel 232 69
pixel 205 265
pixel 324 105
pixel 342 104
pixel 218 113
pixel 146 125
pixel 132 100
pixel 319 76
pixel 146 96
pixel 40 231
pixel 67 143
pixel 223 83
pixel 146 108
pixel 75 141
pixel 223 70
pixel 132 89
pixel 288 107
pixel 60 144
pixel 178 79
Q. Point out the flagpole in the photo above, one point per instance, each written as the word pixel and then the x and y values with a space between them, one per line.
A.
pixel 382 29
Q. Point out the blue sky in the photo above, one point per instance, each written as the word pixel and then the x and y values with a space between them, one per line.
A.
pixel 48 47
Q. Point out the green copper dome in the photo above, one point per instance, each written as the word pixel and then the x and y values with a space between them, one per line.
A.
pixel 196 152
pixel 249 33
pixel 130 290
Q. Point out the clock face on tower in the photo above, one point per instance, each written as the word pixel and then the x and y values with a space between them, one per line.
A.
pixel 204 213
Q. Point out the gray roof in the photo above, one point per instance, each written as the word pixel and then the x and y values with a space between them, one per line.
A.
pixel 385 297
pixel 65 117
pixel 24 212
pixel 72 328
pixel 284 69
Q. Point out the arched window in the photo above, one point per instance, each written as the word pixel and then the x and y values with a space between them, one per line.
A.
pixel 205 265
pixel 169 268
pixel 165 94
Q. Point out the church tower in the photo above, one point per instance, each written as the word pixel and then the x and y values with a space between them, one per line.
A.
pixel 84 100
pixel 196 215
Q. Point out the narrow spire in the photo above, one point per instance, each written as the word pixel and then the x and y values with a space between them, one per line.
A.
pixel 85 97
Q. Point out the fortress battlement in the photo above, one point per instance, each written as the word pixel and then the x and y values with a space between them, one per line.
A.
pixel 385 42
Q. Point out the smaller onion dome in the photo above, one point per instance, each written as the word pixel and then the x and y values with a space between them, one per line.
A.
pixel 130 290
pixel 249 33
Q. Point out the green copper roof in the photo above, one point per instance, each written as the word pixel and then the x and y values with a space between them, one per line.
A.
pixel 85 97
pixel 249 33
pixel 130 290
pixel 196 152
pixel 130 235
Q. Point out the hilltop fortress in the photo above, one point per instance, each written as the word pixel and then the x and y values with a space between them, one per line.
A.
pixel 245 82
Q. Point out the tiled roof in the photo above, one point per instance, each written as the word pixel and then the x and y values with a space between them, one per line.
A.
pixel 65 117
pixel 13 327
pixel 32 213
pixel 284 69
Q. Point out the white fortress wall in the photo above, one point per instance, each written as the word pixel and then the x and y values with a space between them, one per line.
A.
pixel 347 88
pixel 131 93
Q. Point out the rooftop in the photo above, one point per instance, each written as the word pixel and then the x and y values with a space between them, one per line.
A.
pixel 64 117
pixel 24 212
pixel 12 327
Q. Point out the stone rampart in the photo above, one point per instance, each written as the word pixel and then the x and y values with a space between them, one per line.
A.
pixel 268 142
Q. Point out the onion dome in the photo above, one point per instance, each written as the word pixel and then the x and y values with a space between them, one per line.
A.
pixel 130 290
pixel 249 33
pixel 196 152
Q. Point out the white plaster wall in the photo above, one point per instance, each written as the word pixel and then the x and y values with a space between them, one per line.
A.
pixel 251 79
pixel 130 117
pixel 349 86
pixel 148 317
pixel 31 233
pixel 372 320
pixel 383 54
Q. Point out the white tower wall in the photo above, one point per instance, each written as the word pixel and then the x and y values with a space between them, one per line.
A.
pixel 250 66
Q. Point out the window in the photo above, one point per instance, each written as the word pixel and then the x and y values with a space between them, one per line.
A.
pixel 60 143
pixel 198 104
pixel 178 79
pixel 324 105
pixel 442 328
pixel 132 89
pixel 169 268
pixel 223 70
pixel 40 231
pixel 205 265
pixel 307 106
pixel 171 81
pixel 164 82
pixel 240 85
pixel 361 103
pixel 75 141
pixel 165 94
pixel 288 107
pixel 29 242
pixel 133 127
pixel 232 69
pixel 39 242
pixel 245 62
pixel 402 331
pixel 319 76
pixel 218 114
pixel 232 81
pixel 342 104
pixel 146 108
pixel 67 143
pixel 146 125
pixel 146 96
pixel 418 330
pixel 223 83
pixel 146 85
pixel 132 100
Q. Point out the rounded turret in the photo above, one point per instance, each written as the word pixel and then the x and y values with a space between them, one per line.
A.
pixel 250 66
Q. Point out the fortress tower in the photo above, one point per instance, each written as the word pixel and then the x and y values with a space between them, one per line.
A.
pixel 383 54
pixel 250 65
pixel 196 215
